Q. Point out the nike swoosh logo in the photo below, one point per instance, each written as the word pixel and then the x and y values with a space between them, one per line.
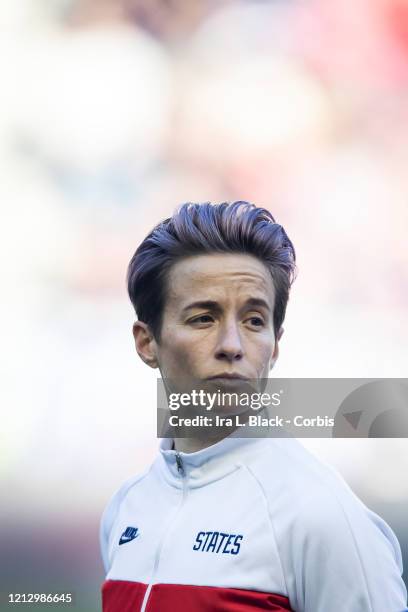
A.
pixel 124 540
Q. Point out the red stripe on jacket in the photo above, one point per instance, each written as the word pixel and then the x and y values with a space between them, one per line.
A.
pixel 125 596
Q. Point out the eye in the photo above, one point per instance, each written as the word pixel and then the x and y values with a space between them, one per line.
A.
pixel 256 321
pixel 202 319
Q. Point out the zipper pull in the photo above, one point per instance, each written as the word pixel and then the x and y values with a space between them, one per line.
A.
pixel 179 461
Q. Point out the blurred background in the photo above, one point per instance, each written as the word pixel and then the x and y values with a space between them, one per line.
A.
pixel 113 112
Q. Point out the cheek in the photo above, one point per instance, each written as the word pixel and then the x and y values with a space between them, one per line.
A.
pixel 178 351
pixel 261 348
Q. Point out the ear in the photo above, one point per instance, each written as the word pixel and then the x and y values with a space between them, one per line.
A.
pixel 145 343
pixel 275 353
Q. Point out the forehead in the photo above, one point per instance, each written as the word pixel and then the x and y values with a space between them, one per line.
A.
pixel 217 276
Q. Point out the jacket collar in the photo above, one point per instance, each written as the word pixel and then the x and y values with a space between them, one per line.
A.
pixel 206 465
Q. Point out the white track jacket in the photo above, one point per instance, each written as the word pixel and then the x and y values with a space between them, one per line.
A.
pixel 243 525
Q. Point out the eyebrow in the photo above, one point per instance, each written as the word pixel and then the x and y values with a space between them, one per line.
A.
pixel 215 307
pixel 206 304
pixel 257 302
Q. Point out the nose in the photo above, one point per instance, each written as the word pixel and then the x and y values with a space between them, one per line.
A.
pixel 229 347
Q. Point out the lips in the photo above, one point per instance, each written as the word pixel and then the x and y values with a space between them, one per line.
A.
pixel 227 376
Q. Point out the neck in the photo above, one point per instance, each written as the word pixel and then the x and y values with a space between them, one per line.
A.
pixel 192 445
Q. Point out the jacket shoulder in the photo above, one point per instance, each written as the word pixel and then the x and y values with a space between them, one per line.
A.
pixel 326 535
pixel 111 512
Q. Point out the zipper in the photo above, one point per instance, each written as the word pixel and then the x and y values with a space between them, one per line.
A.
pixel 180 466
pixel 181 470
